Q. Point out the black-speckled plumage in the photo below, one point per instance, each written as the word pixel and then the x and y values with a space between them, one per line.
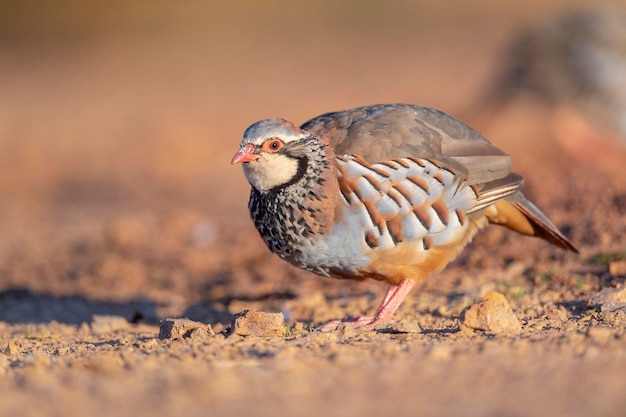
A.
pixel 390 192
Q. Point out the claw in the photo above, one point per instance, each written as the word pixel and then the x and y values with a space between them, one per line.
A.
pixel 384 314
pixel 361 323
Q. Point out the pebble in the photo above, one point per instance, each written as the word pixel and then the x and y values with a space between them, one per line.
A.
pixel 257 323
pixel 183 329
pixel 399 328
pixel 344 330
pixel 201 333
pixel 492 315
pixel 12 348
pixel 609 300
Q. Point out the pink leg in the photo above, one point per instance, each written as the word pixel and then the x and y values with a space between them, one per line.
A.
pixel 392 300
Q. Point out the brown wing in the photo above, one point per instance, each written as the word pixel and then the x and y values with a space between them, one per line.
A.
pixel 383 132
pixel 388 131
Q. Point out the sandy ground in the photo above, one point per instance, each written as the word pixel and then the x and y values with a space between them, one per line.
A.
pixel 118 208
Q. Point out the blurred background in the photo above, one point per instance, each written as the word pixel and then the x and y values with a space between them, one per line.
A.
pixel 118 119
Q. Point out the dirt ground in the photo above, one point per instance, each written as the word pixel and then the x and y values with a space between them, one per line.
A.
pixel 118 208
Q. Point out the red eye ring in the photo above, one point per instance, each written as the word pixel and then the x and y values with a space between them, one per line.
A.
pixel 273 145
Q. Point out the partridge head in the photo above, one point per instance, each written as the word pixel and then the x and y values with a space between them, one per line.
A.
pixel 390 192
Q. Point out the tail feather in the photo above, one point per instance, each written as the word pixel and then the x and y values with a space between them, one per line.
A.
pixel 519 214
pixel 543 227
pixel 493 191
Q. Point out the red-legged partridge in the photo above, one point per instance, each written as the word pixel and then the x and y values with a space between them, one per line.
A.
pixel 390 192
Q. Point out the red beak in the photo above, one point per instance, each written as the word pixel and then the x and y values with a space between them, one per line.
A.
pixel 245 154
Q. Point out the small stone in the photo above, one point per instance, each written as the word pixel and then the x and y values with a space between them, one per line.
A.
pixel 493 315
pixel 600 335
pixel 613 307
pixel 296 329
pixel 609 300
pixel 617 295
pixel 12 348
pixel 184 328
pixel 344 330
pixel 104 324
pixel 617 268
pixel 257 323
pixel 201 333
pixel 399 328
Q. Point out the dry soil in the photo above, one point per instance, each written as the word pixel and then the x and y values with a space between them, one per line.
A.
pixel 118 208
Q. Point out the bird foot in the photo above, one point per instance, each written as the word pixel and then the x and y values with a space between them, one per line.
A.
pixel 360 322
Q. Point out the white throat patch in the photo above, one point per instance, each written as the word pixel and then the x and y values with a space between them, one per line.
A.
pixel 270 171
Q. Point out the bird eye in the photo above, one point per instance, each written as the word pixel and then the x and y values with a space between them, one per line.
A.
pixel 273 145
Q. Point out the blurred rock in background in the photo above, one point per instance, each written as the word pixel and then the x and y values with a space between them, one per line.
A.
pixel 573 63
